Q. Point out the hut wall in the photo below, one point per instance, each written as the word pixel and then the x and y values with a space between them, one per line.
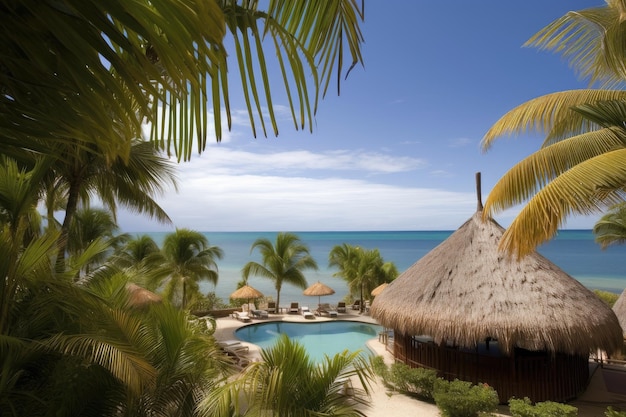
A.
pixel 537 375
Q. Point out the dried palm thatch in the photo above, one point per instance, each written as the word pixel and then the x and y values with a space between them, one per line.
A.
pixel 620 311
pixel 481 292
pixel 140 297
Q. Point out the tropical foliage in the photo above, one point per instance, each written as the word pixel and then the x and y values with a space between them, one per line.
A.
pixel 188 259
pixel 283 261
pixel 103 68
pixel 286 382
pixel 80 81
pixel 611 228
pixel 580 169
pixel 362 269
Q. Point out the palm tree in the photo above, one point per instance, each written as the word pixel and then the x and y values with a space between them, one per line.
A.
pixel 189 259
pixel 287 383
pixel 282 262
pixel 89 225
pixel 611 228
pixel 131 182
pixel 362 269
pixel 581 166
pixel 100 78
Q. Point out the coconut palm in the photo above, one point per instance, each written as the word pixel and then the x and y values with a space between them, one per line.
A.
pixel 102 68
pixel 580 167
pixel 288 383
pixel 611 228
pixel 283 261
pixel 132 183
pixel 362 269
pixel 189 259
pixel 89 225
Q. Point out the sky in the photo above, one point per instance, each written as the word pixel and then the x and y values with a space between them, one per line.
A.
pixel 400 147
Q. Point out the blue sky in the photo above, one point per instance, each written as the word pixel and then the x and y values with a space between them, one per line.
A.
pixel 399 148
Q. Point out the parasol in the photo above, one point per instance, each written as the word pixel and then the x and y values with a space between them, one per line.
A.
pixel 318 289
pixel 376 291
pixel 247 292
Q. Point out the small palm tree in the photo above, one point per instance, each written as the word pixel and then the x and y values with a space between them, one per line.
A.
pixel 611 228
pixel 188 259
pixel 282 262
pixel 362 269
pixel 287 383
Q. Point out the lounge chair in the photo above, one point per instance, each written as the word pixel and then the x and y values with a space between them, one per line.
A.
pixel 242 316
pixel 271 307
pixel 326 310
pixel 356 305
pixel 306 312
pixel 295 307
pixel 341 307
pixel 233 346
pixel 260 314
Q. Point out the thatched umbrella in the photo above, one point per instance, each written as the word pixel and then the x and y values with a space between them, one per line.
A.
pixel 318 289
pixel 620 311
pixel 246 292
pixel 140 297
pixel 376 291
pixel 481 293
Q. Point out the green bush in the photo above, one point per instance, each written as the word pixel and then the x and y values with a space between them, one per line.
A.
pixel 418 381
pixel 608 297
pixel 525 408
pixel 462 399
pixel 611 412
pixel 379 367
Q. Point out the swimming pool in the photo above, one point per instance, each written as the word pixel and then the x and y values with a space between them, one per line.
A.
pixel 318 338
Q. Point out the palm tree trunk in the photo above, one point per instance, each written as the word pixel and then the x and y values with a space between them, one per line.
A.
pixel 70 211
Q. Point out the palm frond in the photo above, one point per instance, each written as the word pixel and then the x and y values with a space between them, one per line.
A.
pixel 587 188
pixel 551 114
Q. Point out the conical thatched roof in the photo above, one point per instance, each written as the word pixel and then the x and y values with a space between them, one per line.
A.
pixel 318 289
pixel 246 292
pixel 140 297
pixel 620 311
pixel 466 290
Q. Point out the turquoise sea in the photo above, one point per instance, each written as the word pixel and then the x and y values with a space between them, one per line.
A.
pixel 574 251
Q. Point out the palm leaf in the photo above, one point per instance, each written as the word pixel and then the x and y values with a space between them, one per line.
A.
pixel 552 114
pixel 586 188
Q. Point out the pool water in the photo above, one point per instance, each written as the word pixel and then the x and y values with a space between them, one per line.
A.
pixel 319 339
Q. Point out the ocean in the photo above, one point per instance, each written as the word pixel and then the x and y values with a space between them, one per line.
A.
pixel 574 251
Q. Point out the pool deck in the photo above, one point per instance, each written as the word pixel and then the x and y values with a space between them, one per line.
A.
pixel 606 387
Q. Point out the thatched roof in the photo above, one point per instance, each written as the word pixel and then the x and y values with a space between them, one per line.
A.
pixel 620 311
pixel 140 297
pixel 246 292
pixel 318 289
pixel 466 290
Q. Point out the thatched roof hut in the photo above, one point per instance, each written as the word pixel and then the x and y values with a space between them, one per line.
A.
pixel 466 290
pixel 475 313
pixel 620 311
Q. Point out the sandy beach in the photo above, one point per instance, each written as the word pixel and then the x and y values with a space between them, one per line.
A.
pixel 606 386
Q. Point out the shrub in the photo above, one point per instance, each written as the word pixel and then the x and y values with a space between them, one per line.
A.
pixel 611 412
pixel 525 408
pixel 462 399
pixel 608 297
pixel 379 367
pixel 418 381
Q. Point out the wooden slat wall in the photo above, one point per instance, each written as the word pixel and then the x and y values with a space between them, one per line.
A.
pixel 539 377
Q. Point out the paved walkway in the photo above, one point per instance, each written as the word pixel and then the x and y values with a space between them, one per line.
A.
pixel 607 387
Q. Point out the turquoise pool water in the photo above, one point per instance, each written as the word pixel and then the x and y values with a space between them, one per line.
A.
pixel 318 338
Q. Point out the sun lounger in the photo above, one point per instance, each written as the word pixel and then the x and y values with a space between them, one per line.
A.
pixel 356 305
pixel 341 307
pixel 260 314
pixel 295 307
pixel 306 312
pixel 326 310
pixel 234 346
pixel 271 307
pixel 242 316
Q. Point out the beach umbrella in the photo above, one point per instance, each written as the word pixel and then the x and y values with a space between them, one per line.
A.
pixel 379 289
pixel 140 297
pixel 246 292
pixel 318 289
